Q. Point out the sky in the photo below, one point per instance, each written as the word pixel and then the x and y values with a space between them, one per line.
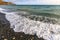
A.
pixel 35 2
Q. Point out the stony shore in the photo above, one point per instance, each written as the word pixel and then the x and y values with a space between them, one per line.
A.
pixel 6 33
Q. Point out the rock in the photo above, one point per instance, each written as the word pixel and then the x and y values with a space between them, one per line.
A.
pixel 4 3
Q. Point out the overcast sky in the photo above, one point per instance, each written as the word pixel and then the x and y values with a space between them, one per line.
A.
pixel 35 2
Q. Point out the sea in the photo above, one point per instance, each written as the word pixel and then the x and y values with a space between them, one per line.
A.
pixel 20 23
pixel 41 10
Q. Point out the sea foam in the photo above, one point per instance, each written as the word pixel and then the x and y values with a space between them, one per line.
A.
pixel 21 24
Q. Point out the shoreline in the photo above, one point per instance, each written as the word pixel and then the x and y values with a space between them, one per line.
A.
pixel 28 26
pixel 7 33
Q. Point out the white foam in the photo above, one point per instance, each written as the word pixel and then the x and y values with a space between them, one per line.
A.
pixel 5 11
pixel 21 24
pixel 46 30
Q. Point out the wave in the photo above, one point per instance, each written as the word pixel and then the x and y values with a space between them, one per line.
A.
pixel 20 23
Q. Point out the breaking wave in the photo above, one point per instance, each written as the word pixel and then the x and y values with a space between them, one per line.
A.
pixel 20 23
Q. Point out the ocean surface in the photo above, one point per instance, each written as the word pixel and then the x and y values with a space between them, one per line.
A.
pixel 41 10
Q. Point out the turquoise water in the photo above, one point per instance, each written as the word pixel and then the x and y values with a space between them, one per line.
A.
pixel 42 10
